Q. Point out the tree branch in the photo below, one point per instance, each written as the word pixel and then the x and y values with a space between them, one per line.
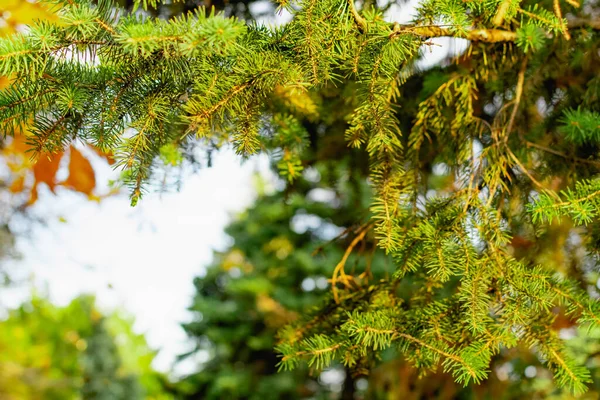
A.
pixel 360 21
pixel 518 95
pixel 478 35
pixel 475 35
pixel 558 153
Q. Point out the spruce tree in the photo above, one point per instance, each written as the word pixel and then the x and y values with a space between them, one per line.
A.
pixel 74 352
pixel 102 379
pixel 483 170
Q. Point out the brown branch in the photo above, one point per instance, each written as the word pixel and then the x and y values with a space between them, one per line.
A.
pixel 558 13
pixel 563 364
pixel 475 35
pixel 322 247
pixel 572 299
pixel 396 334
pixel 576 201
pixel 25 99
pixel 575 23
pixel 485 35
pixel 105 26
pixel 558 153
pixel 312 352
pixel 502 10
pixel 339 268
pixel 535 16
pixel 360 21
pixel 518 95
pixel 526 172
pixel 205 114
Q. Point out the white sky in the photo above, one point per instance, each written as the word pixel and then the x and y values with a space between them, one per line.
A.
pixel 149 254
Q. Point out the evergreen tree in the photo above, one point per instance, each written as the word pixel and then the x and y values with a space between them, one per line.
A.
pixel 277 268
pixel 70 352
pixel 483 170
pixel 101 369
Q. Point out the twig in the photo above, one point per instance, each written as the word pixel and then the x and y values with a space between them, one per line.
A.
pixel 476 35
pixel 518 95
pixel 339 268
pixel 524 169
pixel 480 35
pixel 360 21
pixel 558 153
pixel 322 247
pixel 558 13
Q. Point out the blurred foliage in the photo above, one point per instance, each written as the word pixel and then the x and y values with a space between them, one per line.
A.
pixel 275 270
pixel 74 352
pixel 278 268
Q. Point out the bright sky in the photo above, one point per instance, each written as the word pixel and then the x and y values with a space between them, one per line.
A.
pixel 144 259
pixel 140 259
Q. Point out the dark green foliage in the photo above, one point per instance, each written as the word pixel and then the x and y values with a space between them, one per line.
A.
pixel 581 126
pixel 256 287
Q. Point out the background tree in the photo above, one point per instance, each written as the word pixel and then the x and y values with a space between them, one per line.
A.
pixel 279 266
pixel 71 352
pixel 492 239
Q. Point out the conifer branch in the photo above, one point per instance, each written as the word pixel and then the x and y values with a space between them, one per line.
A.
pixel 316 352
pixel 575 201
pixel 525 171
pixel 360 21
pixel 105 26
pixel 558 359
pixel 491 35
pixel 473 374
pixel 518 95
pixel 339 268
pixel 537 17
pixel 558 12
pixel 560 154
pixel 203 115
pixel 475 35
pixel 454 278
pixel 577 303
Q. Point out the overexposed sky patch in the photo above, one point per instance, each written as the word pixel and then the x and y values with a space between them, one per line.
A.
pixel 140 259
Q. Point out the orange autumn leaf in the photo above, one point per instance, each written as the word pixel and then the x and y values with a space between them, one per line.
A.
pixel 18 145
pixel 45 169
pixel 18 185
pixel 81 173
pixel 108 156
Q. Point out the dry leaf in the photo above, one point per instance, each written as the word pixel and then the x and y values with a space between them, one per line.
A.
pixel 81 174
pixel 45 169
pixel 17 185
pixel 109 157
